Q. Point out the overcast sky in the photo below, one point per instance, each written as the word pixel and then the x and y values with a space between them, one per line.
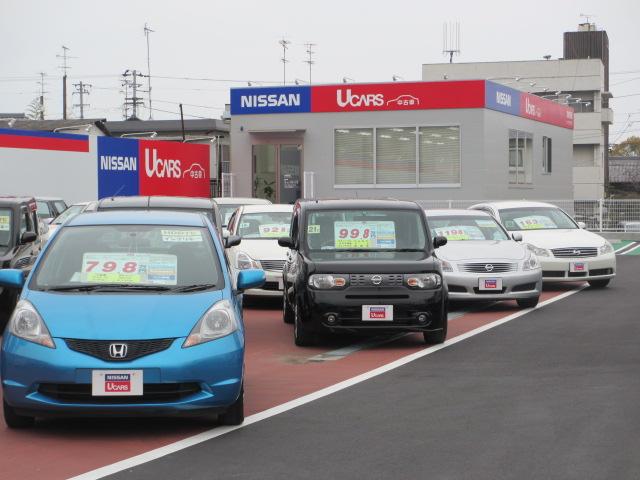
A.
pixel 238 40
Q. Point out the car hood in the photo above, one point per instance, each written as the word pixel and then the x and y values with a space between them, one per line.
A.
pixel 262 249
pixel 487 249
pixel 126 316
pixel 562 238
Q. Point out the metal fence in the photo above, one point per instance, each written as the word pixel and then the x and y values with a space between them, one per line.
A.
pixel 601 215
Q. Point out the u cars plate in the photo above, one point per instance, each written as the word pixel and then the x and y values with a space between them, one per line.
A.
pixel 377 313
pixel 577 267
pixel 489 284
pixel 116 382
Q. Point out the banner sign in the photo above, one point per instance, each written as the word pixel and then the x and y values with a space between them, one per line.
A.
pixel 546 111
pixel 502 98
pixel 270 100
pixel 37 140
pixel 152 167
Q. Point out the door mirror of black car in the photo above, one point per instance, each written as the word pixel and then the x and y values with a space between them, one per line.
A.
pixel 232 241
pixel 517 236
pixel 439 241
pixel 286 242
pixel 28 237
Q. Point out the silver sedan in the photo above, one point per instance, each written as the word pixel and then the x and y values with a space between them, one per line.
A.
pixel 481 261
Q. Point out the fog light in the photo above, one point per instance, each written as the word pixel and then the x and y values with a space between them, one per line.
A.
pixel 332 319
pixel 422 318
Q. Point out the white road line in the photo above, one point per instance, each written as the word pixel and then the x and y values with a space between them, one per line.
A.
pixel 271 412
pixel 627 252
pixel 629 245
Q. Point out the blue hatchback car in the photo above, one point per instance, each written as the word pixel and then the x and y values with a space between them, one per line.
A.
pixel 127 313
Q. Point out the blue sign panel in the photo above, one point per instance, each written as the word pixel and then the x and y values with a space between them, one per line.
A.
pixel 501 98
pixel 246 101
pixel 118 164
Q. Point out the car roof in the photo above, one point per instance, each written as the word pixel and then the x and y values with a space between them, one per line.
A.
pixel 276 207
pixel 134 217
pixel 505 204
pixel 241 201
pixel 138 201
pixel 359 203
pixel 50 199
pixel 9 200
pixel 444 212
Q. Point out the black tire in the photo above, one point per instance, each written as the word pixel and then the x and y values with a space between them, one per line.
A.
pixel 234 415
pixel 439 336
pixel 13 420
pixel 287 312
pixel 302 337
pixel 599 283
pixel 528 302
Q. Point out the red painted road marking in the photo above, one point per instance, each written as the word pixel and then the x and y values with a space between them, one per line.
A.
pixel 277 372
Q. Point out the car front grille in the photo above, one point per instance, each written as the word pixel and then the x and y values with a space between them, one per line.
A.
pixel 575 252
pixel 152 393
pixel 385 280
pixel 488 267
pixel 553 274
pixel 135 348
pixel 272 265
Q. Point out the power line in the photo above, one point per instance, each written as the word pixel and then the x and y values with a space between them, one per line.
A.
pixel 309 59
pixel 148 31
pixel 132 101
pixel 64 68
pixel 285 46
pixel 82 89
pixel 42 92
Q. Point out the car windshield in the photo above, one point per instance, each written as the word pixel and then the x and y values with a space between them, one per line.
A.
pixel 365 230
pixel 268 225
pixel 226 211
pixel 536 218
pixel 466 227
pixel 72 211
pixel 5 227
pixel 130 257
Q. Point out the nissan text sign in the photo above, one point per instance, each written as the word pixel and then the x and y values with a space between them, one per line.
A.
pixel 270 100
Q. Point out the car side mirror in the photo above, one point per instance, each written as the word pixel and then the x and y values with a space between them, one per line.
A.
pixel 582 225
pixel 439 241
pixel 232 241
pixel 286 242
pixel 28 237
pixel 517 236
pixel 250 278
pixel 11 278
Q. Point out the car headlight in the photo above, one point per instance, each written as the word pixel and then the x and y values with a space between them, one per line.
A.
pixel 245 262
pixel 531 263
pixel 326 282
pixel 539 252
pixel 446 266
pixel 606 248
pixel 26 323
pixel 217 322
pixel 423 280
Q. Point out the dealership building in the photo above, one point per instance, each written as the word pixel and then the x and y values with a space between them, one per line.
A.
pixel 447 140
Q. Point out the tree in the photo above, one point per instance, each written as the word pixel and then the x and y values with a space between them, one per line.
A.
pixel 35 111
pixel 627 148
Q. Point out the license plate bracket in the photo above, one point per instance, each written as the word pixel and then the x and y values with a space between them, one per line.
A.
pixel 377 313
pixel 489 284
pixel 108 383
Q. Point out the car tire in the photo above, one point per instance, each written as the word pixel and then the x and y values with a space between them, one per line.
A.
pixel 439 336
pixel 528 302
pixel 234 415
pixel 13 420
pixel 599 283
pixel 302 337
pixel 287 312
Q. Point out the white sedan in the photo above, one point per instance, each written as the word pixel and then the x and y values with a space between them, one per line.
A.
pixel 566 251
pixel 481 262
pixel 228 205
pixel 260 226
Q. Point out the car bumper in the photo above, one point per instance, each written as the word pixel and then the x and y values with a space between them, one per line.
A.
pixel 36 380
pixel 346 306
pixel 515 285
pixel 595 268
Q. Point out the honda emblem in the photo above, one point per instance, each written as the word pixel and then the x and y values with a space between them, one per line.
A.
pixel 118 350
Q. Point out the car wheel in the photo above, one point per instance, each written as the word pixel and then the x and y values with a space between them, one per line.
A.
pixel 528 302
pixel 599 283
pixel 287 311
pixel 301 335
pixel 13 420
pixel 235 413
pixel 439 336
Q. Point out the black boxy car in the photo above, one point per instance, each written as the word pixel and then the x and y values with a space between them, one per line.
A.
pixel 362 266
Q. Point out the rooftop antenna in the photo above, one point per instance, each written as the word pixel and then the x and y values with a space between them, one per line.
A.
pixel 395 78
pixel 587 17
pixel 451 39
pixel 64 67
pixel 285 45
pixel 147 31
pixel 309 60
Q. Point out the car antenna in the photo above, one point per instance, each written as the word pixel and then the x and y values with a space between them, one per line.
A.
pixel 117 192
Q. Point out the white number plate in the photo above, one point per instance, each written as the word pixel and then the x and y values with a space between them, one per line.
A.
pixel 488 284
pixel 577 267
pixel 116 382
pixel 377 313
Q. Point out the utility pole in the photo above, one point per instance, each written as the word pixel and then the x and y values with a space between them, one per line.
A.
pixel 147 31
pixel 285 45
pixel 132 101
pixel 64 68
pixel 82 89
pixel 309 59
pixel 42 92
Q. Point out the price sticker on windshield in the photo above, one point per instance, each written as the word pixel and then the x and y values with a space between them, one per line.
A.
pixel 4 222
pixel 129 268
pixel 273 230
pixel 536 222
pixel 181 236
pixel 364 235
pixel 466 232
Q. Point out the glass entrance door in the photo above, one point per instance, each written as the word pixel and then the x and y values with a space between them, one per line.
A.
pixel 277 172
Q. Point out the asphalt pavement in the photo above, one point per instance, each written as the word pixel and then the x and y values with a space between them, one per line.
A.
pixel 552 394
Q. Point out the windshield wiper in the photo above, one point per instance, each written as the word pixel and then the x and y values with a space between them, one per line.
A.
pixel 111 287
pixel 192 288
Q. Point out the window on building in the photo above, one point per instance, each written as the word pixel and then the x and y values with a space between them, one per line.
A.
pixel 354 156
pixel 386 157
pixel 546 155
pixel 520 157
